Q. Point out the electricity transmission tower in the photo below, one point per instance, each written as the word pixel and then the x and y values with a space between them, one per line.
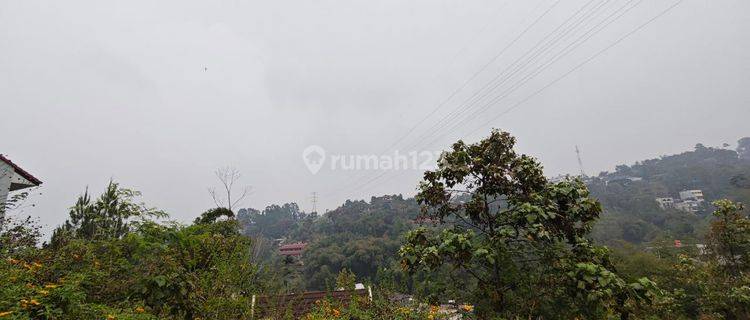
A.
pixel 314 202
pixel 580 163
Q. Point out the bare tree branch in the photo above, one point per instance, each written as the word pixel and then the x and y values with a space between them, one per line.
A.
pixel 228 176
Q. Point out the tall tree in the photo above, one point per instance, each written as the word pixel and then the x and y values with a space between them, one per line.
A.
pixel 715 284
pixel 729 238
pixel 109 217
pixel 521 239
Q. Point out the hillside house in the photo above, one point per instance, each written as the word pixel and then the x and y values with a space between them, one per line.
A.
pixel 689 201
pixel 692 195
pixel 665 203
pixel 292 249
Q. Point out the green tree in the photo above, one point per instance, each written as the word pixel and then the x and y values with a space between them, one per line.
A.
pixel 346 280
pixel 728 262
pixel 109 217
pixel 729 238
pixel 212 215
pixel 520 237
pixel 273 222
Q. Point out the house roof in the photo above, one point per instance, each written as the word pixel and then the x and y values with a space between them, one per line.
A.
pixel 302 303
pixel 293 246
pixel 20 171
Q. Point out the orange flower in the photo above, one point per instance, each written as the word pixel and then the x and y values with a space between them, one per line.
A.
pixel 110 317
pixel 140 310
pixel 34 302
pixel 336 313
pixel 434 309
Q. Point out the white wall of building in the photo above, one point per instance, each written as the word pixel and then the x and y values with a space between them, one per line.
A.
pixel 691 194
pixel 6 174
pixel 11 180
pixel 665 203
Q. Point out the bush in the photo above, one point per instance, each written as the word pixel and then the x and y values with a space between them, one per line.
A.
pixel 155 272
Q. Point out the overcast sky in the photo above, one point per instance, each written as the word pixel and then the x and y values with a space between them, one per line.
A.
pixel 158 94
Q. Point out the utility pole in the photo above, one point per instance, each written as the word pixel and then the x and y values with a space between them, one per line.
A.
pixel 314 202
pixel 580 163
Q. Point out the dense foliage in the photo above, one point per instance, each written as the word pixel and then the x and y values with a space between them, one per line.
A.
pixel 359 236
pixel 102 265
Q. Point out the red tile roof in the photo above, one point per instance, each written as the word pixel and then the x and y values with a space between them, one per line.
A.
pixel 292 249
pixel 20 171
pixel 298 245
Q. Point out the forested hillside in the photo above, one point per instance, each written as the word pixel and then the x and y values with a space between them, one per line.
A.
pixel 628 194
pixel 359 236
pixel 364 237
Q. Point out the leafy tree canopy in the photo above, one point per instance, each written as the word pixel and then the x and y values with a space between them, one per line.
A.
pixel 108 217
pixel 520 237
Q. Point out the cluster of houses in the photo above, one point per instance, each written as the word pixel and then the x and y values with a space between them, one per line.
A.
pixel 689 201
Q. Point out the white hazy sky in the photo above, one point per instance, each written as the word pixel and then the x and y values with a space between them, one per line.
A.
pixel 158 94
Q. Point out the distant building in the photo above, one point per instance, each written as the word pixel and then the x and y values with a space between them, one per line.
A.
pixel 292 249
pixel 694 195
pixel 688 206
pixel 689 201
pixel 665 203
pixel 13 178
pixel 620 179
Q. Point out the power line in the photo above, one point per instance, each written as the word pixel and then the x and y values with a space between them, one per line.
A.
pixel 563 76
pixel 564 52
pixel 466 83
pixel 479 93
pixel 494 83
pixel 541 43
pixel 597 54
pixel 474 75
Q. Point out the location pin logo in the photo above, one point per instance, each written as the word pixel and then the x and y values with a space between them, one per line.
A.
pixel 314 157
